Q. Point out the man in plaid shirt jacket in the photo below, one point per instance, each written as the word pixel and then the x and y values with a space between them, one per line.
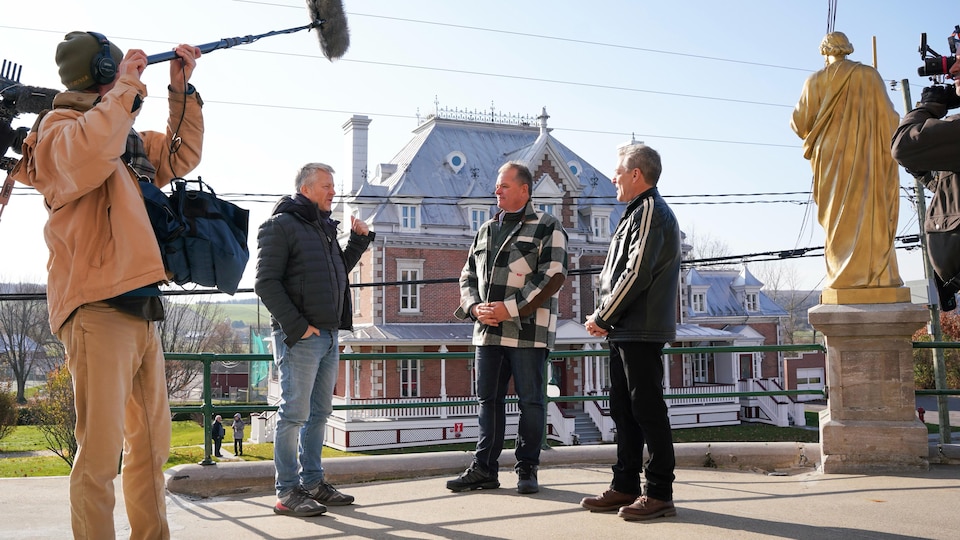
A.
pixel 509 285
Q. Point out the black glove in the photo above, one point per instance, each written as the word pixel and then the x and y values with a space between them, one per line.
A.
pixel 944 95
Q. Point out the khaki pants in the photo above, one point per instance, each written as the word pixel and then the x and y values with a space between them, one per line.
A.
pixel 117 365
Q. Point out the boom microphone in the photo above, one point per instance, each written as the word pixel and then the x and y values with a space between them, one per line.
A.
pixel 326 15
pixel 26 99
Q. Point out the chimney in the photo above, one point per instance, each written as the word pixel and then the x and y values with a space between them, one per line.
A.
pixel 355 161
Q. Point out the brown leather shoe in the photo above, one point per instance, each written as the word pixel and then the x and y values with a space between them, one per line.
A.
pixel 645 508
pixel 608 501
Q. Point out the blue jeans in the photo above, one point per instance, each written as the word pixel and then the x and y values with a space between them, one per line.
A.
pixel 495 365
pixel 308 373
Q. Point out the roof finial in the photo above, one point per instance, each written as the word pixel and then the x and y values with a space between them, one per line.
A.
pixel 543 120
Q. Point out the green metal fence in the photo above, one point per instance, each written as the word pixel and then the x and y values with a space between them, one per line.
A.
pixel 208 408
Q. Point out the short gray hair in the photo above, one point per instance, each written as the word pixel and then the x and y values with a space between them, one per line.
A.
pixel 641 156
pixel 307 171
pixel 523 173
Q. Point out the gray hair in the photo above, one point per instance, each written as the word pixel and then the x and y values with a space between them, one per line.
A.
pixel 641 156
pixel 835 44
pixel 523 173
pixel 307 171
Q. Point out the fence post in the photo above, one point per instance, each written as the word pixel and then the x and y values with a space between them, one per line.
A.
pixel 207 409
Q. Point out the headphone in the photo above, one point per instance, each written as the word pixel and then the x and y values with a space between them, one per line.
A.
pixel 103 67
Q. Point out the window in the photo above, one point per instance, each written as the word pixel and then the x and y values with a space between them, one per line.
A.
pixel 601 228
pixel 409 378
pixel 409 217
pixel 751 302
pixel 701 367
pixel 409 270
pixel 699 301
pixel 409 293
pixel 356 291
pixel 604 381
pixel 596 291
pixel 546 208
pixel 477 217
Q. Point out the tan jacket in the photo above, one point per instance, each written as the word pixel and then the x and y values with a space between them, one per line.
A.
pixel 100 239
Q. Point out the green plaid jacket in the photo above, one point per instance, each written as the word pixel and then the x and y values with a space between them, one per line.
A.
pixel 534 252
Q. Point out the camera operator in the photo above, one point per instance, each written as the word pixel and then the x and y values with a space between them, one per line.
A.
pixel 927 145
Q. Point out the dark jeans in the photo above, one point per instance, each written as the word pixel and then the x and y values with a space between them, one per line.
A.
pixel 238 446
pixel 640 414
pixel 495 365
pixel 216 446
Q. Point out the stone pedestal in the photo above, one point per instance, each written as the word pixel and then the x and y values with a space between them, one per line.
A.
pixel 870 424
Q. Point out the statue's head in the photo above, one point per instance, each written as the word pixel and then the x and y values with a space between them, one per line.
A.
pixel 835 44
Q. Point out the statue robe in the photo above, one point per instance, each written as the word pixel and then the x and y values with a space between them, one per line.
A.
pixel 846 121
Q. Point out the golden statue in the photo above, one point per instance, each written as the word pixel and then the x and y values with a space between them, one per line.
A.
pixel 846 121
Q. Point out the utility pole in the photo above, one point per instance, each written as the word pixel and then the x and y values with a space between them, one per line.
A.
pixel 939 366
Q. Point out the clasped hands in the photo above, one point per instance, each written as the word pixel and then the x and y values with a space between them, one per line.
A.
pixel 491 313
pixel 593 329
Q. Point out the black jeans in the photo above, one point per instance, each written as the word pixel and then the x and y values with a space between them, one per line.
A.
pixel 640 415
pixel 238 446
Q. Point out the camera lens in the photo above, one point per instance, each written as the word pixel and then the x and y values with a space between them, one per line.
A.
pixel 938 65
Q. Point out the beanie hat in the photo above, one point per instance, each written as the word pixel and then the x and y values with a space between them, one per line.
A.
pixel 75 59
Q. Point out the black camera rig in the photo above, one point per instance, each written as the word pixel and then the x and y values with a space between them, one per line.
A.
pixel 16 99
pixel 935 65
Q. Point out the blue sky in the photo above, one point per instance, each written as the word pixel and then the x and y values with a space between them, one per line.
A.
pixel 711 85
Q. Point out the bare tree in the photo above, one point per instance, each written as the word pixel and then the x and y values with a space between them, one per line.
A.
pixel 185 329
pixel 781 282
pixel 707 247
pixel 25 334
pixel 57 415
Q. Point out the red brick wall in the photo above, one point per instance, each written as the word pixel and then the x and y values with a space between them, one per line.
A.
pixel 438 302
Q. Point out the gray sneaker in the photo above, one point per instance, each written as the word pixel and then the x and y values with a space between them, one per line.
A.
pixel 329 495
pixel 298 503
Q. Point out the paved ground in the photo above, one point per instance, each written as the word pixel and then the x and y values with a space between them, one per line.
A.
pixel 737 501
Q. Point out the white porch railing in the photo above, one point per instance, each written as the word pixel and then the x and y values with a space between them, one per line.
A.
pixel 425 408
pixel 702 389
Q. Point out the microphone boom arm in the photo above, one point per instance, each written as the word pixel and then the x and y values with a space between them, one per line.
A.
pixel 226 43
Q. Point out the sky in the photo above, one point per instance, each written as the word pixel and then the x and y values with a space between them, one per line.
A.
pixel 710 85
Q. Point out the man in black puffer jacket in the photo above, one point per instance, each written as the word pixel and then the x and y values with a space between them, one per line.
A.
pixel 302 280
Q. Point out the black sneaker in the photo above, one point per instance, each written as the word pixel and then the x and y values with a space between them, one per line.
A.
pixel 473 478
pixel 329 495
pixel 298 503
pixel 527 478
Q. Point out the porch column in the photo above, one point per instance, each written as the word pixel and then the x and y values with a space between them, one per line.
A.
pixel 870 424
pixel 347 414
pixel 588 375
pixel 443 381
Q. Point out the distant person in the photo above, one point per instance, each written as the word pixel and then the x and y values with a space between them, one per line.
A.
pixel 302 280
pixel 846 120
pixel 927 144
pixel 217 433
pixel 638 315
pixel 104 270
pixel 238 426
pixel 509 284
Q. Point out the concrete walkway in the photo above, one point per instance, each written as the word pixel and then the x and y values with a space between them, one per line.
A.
pixel 404 496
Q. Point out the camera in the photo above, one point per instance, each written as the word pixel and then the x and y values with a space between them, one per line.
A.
pixel 935 65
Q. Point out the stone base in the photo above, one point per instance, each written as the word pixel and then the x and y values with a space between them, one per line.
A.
pixel 870 423
pixel 863 447
pixel 871 295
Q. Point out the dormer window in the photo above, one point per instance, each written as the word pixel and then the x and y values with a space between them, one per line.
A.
pixel 698 302
pixel 409 217
pixel 477 217
pixel 751 301
pixel 601 228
